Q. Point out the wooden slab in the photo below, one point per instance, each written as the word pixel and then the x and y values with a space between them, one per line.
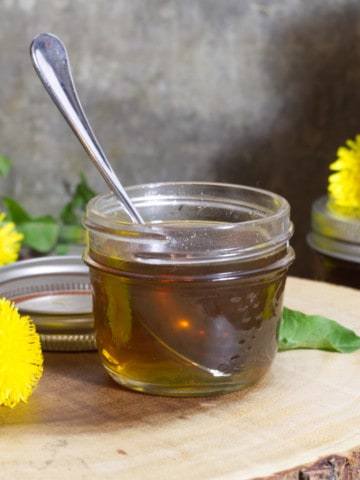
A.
pixel 81 424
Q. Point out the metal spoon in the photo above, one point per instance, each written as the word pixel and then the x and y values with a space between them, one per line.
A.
pixel 51 62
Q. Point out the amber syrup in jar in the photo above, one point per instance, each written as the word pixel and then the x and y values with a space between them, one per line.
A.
pixel 172 318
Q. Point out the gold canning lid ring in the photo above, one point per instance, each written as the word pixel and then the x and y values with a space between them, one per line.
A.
pixel 55 293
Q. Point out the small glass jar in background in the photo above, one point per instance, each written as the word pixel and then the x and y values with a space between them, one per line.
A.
pixel 335 242
pixel 189 302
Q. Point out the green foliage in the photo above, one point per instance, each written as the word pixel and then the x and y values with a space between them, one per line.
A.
pixel 70 217
pixel 40 233
pixel 46 233
pixel 298 330
pixel 72 212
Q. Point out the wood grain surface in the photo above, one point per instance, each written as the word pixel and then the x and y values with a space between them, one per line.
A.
pixel 302 421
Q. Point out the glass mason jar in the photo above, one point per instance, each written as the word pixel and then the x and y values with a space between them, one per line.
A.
pixel 335 242
pixel 188 303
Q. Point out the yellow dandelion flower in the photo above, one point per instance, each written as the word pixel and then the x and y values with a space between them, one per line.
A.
pixel 344 184
pixel 21 360
pixel 10 241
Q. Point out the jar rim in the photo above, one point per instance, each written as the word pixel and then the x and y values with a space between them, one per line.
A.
pixel 283 207
pixel 255 221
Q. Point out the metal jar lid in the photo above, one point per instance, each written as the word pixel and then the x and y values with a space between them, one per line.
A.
pixel 55 292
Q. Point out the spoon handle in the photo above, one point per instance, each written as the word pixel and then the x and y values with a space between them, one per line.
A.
pixel 51 62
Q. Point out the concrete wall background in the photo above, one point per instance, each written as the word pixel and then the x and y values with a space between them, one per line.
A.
pixel 247 91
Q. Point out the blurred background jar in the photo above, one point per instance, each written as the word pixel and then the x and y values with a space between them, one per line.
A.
pixel 335 241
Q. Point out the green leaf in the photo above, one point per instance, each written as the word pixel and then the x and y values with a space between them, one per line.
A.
pixel 62 248
pixel 44 234
pixel 15 213
pixel 72 234
pixel 40 233
pixel 73 211
pixel 298 330
pixel 5 165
